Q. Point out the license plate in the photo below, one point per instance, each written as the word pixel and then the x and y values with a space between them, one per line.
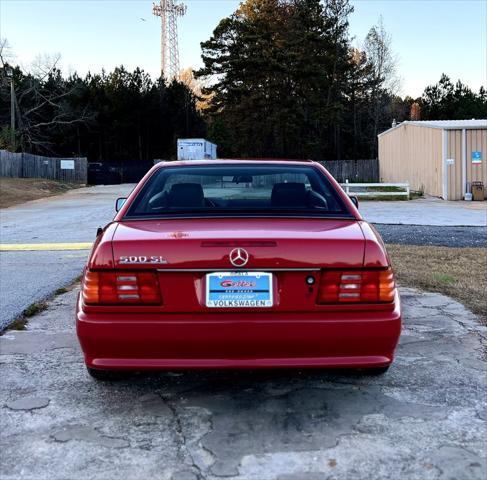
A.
pixel 239 290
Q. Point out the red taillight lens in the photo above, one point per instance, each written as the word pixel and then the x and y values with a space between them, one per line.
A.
pixel 366 286
pixel 113 288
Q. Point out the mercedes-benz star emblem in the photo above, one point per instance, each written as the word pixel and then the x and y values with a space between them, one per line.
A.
pixel 239 257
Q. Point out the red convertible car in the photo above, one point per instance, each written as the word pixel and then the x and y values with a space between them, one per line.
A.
pixel 238 264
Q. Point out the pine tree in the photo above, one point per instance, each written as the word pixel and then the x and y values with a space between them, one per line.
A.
pixel 281 67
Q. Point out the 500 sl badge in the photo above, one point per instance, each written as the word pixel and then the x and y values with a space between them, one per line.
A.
pixel 143 259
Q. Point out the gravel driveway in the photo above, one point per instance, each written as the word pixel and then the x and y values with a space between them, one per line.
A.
pixel 425 419
pixel 430 235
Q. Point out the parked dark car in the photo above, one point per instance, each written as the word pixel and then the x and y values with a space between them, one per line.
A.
pixel 103 173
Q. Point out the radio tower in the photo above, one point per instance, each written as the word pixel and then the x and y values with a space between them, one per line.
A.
pixel 169 11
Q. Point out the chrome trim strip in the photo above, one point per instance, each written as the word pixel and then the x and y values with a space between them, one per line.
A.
pixel 231 268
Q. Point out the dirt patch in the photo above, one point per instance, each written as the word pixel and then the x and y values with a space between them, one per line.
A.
pixel 457 272
pixel 19 190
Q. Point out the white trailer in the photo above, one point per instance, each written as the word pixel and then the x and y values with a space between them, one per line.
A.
pixel 195 149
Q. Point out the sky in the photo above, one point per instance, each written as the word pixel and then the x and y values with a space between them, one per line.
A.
pixel 429 37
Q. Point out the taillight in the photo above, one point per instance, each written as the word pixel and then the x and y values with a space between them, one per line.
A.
pixel 112 288
pixel 366 286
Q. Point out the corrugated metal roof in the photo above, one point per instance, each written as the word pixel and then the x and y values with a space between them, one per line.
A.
pixel 449 124
pixel 443 124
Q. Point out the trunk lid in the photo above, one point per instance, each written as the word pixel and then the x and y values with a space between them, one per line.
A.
pixel 184 251
pixel 207 243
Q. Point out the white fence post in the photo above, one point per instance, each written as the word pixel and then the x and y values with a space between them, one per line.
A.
pixel 347 188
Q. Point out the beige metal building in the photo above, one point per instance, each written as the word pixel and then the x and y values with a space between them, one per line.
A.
pixel 441 158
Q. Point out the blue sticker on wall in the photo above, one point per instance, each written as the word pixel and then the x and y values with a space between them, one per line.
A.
pixel 477 157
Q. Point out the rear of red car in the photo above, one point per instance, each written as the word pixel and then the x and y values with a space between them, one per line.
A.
pixel 239 275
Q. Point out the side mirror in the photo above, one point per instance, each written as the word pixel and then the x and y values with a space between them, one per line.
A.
pixel 354 200
pixel 119 203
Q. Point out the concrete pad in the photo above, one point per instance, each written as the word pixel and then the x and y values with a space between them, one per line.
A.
pixel 425 419
pixel 425 211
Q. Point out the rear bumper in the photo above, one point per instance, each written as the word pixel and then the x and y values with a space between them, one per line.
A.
pixel 243 340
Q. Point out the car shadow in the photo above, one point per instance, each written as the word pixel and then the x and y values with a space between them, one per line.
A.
pixel 234 413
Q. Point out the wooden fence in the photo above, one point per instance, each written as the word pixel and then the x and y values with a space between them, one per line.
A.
pixel 26 165
pixel 74 170
pixel 353 170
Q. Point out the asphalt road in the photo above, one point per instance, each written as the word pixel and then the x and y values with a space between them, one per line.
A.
pixel 30 276
pixel 424 420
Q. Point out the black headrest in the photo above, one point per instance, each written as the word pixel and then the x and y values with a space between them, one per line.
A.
pixel 288 195
pixel 186 195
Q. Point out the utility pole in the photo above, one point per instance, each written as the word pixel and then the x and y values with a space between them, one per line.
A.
pixel 169 11
pixel 10 75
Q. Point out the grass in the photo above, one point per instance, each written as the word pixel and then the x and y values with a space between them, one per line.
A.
pixel 444 279
pixel 388 198
pixel 457 272
pixel 14 191
pixel 21 322
pixel 34 309
pixel 383 198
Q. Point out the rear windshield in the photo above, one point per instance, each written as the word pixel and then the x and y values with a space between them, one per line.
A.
pixel 237 190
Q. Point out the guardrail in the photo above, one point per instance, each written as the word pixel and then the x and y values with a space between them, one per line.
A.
pixel 350 189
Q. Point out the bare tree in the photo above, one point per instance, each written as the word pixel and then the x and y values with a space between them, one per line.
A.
pixel 43 65
pixel 43 102
pixel 378 48
pixel 6 54
pixel 383 63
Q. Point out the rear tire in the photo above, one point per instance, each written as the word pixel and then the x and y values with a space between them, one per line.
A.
pixel 376 371
pixel 105 375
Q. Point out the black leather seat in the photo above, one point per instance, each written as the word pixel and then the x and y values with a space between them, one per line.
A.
pixel 289 195
pixel 186 195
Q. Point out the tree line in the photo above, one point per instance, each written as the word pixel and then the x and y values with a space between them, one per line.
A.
pixel 287 81
pixel 117 117
pixel 280 78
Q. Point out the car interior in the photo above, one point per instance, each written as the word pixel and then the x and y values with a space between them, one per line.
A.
pixel 239 192
pixel 283 195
